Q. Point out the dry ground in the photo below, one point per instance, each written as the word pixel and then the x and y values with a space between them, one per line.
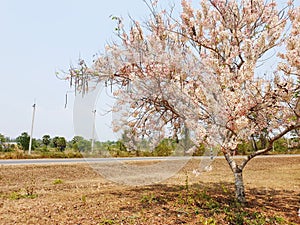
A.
pixel 77 194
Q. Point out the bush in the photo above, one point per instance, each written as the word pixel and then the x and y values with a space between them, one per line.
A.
pixel 280 146
pixel 165 148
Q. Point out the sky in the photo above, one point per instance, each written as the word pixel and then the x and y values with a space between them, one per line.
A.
pixel 39 38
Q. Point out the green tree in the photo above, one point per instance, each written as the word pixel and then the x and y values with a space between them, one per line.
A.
pixel 165 148
pixel 80 144
pixel 46 140
pixel 2 138
pixel 54 142
pixel 23 140
pixel 61 143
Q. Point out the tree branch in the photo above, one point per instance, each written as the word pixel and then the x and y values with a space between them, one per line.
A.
pixel 270 144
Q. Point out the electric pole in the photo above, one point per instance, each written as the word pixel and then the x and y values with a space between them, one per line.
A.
pixel 31 132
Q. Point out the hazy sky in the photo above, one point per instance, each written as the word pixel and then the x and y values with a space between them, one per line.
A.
pixel 39 38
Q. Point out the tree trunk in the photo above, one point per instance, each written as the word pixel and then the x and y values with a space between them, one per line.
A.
pixel 239 186
pixel 238 178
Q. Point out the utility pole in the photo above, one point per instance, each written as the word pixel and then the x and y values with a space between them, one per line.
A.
pixel 93 129
pixel 31 132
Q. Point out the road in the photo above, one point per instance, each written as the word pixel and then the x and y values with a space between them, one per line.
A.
pixel 99 160
pixel 81 160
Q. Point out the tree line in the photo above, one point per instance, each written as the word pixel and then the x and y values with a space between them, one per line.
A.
pixel 120 148
pixel 46 142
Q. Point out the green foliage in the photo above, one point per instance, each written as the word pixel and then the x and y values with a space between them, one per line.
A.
pixel 78 143
pixel 8 147
pixel 121 146
pixel 200 150
pixel 281 146
pixel 43 148
pixel 57 181
pixel 16 154
pixel 18 195
pixel 165 148
pixel 60 143
pixel 2 138
pixel 53 143
pixel 23 140
pixel 46 140
pixel 15 195
pixel 113 148
pixel 278 219
pixel 245 148
pixel 208 221
pixel 83 198
pixel 148 199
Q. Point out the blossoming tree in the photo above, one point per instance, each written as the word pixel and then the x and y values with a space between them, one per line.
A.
pixel 200 71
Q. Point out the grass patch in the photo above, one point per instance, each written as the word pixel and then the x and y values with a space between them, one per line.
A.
pixel 39 154
pixel 16 195
pixel 57 181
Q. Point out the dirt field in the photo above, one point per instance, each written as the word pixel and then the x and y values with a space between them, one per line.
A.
pixel 77 194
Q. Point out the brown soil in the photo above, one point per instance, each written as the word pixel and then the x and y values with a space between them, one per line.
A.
pixel 77 194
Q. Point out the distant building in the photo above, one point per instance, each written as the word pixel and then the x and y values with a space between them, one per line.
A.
pixel 7 145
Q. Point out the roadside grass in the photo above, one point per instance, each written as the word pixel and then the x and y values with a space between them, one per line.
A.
pixel 18 154
pixel 71 153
